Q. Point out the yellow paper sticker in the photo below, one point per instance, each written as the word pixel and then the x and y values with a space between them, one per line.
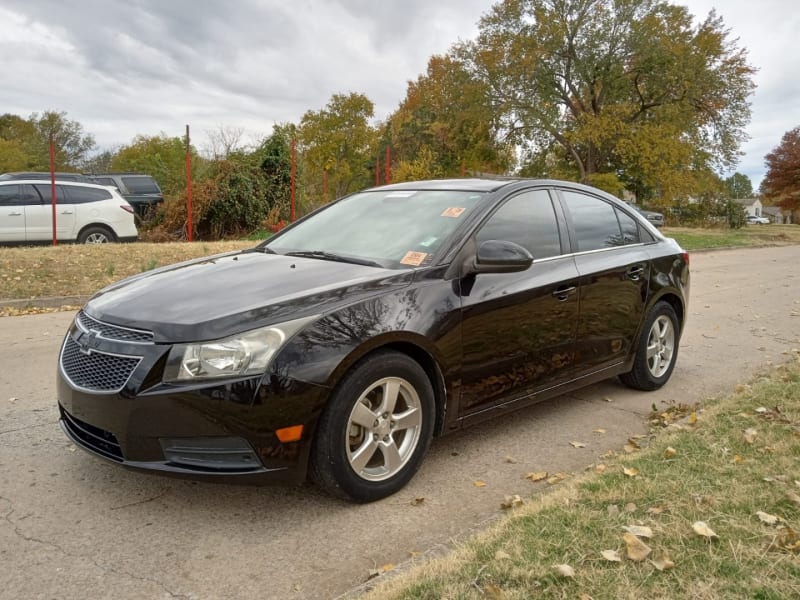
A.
pixel 453 211
pixel 413 258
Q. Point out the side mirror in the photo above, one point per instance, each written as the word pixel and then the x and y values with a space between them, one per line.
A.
pixel 500 256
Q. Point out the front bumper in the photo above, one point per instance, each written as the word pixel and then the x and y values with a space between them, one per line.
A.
pixel 219 430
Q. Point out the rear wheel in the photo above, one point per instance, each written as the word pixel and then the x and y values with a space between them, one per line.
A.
pixel 95 235
pixel 376 429
pixel 657 350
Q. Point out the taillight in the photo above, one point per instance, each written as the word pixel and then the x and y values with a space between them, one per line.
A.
pixel 126 208
pixel 685 257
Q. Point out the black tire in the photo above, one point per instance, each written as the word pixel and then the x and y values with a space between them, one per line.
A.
pixel 341 444
pixel 96 234
pixel 661 335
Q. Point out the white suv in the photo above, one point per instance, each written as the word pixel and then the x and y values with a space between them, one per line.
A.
pixel 86 213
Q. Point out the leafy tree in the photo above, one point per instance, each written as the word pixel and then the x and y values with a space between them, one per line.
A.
pixel 100 162
pixel 13 156
pixel 739 185
pixel 72 145
pixel 445 121
pixel 339 140
pixel 274 159
pixel 782 181
pixel 625 86
pixel 161 156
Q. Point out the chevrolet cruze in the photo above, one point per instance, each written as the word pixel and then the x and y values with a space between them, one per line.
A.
pixel 337 349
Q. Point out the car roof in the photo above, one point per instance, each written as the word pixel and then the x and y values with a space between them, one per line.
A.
pixel 58 181
pixel 487 184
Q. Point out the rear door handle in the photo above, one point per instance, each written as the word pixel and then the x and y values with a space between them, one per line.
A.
pixel 14 214
pixel 66 212
pixel 564 292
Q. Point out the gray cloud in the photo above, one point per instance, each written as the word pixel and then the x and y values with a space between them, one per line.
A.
pixel 146 66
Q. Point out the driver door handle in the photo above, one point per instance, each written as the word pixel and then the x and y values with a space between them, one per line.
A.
pixel 564 292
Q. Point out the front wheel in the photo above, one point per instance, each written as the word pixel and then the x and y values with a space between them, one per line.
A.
pixel 657 350
pixel 376 429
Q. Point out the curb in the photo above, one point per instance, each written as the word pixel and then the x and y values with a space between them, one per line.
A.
pixel 51 302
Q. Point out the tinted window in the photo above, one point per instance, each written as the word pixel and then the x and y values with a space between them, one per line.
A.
pixel 29 195
pixel 595 222
pixel 9 195
pixel 78 195
pixel 527 220
pixel 105 181
pixel 141 185
pixel 44 191
pixel 630 230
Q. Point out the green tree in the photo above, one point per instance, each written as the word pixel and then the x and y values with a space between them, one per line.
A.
pixel 162 157
pixel 625 86
pixel 274 159
pixel 445 121
pixel 72 145
pixel 339 140
pixel 781 183
pixel 739 185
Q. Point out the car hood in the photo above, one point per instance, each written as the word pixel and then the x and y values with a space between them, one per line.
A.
pixel 221 295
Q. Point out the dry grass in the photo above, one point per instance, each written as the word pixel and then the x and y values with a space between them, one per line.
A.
pixel 715 475
pixel 747 236
pixel 79 270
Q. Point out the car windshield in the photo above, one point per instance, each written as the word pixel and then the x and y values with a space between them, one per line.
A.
pixel 396 228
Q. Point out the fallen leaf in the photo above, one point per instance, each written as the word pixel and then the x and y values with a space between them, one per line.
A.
pixel 13 399
pixel 538 476
pixel 492 591
pixel 655 510
pixel 608 454
pixel 600 468
pixel 701 528
pixel 478 483
pixel 387 567
pixel 637 550
pixel 634 442
pixel 598 430
pixel 630 507
pixel 417 501
pixel 607 399
pixel 564 570
pixel 638 436
pixel 512 502
pixel 577 444
pixel 611 555
pixel 767 518
pixel 761 410
pixel 662 561
pixel 630 448
pixel 692 418
pixel 750 435
pixel 738 458
pixel 413 554
pixel 500 555
pixel 670 452
pixel 639 530
pixel 630 472
pixel 612 509
pixel 557 478
pixel 511 459
pixel 792 497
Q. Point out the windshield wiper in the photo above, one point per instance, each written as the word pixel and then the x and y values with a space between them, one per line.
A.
pixel 336 257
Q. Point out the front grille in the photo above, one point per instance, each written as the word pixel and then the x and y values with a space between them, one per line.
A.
pixel 98 440
pixel 113 332
pixel 96 371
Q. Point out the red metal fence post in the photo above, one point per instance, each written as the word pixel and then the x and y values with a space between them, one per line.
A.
pixel 53 185
pixel 291 216
pixel 189 185
pixel 388 177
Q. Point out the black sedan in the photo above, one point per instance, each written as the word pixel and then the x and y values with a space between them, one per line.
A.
pixel 341 346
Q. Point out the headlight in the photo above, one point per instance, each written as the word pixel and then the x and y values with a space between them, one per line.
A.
pixel 248 353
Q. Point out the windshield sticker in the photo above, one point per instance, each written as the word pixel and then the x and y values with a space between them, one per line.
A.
pixel 399 194
pixel 453 211
pixel 414 259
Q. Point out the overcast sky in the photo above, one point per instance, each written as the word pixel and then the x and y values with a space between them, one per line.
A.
pixel 150 66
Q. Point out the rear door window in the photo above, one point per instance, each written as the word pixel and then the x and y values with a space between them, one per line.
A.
pixel 594 221
pixel 10 195
pixel 141 185
pixel 46 194
pixel 79 195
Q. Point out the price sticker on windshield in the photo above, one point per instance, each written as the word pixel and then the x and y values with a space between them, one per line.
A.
pixel 414 259
pixel 453 211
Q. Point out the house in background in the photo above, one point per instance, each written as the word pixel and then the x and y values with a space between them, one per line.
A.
pixel 777 215
pixel 752 206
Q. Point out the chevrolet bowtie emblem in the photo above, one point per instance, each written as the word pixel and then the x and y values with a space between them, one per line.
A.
pixel 87 341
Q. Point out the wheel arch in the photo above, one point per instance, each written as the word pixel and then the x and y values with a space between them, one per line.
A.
pixel 416 350
pixel 107 228
pixel 675 301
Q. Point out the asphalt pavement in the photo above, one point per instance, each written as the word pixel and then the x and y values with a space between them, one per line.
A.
pixel 75 527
